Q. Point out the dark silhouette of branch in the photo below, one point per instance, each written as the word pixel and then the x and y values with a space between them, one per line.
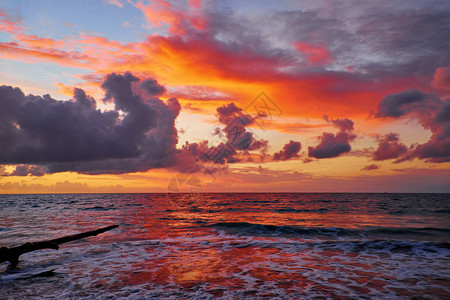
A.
pixel 12 254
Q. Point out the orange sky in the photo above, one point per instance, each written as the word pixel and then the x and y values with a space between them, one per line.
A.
pixel 362 97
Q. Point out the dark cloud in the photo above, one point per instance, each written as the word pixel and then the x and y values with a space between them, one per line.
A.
pixel 418 33
pixel 80 96
pixel 431 112
pixel 152 87
pixel 290 150
pixel 443 115
pixel 370 167
pixel 341 124
pixel 410 101
pixel 43 135
pixel 355 32
pixel 236 122
pixel 332 145
pixel 24 170
pixel 252 54
pixel 227 114
pixel 389 147
pixel 75 136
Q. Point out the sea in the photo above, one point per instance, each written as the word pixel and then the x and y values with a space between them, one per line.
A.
pixel 229 246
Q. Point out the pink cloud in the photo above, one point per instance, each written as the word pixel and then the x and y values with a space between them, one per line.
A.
pixel 9 23
pixel 441 79
pixel 316 54
pixel 389 147
pixel 114 2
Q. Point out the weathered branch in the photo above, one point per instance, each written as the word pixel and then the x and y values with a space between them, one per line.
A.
pixel 12 254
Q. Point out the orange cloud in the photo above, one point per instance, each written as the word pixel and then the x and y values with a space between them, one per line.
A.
pixel 158 13
pixel 192 56
pixel 34 41
pixel 202 61
pixel 64 89
pixel 178 20
pixel 70 59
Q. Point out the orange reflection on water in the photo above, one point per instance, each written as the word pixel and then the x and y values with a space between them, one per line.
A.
pixel 168 247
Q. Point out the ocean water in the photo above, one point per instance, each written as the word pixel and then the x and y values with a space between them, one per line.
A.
pixel 230 246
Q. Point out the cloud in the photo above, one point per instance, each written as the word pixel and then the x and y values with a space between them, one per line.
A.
pixel 24 170
pixel 437 149
pixel 139 134
pixel 178 16
pixel 431 112
pixel 199 93
pixel 114 2
pixel 341 124
pixel 10 23
pixel 332 145
pixel 315 54
pixel 370 167
pixel 152 87
pixel 44 135
pixel 194 109
pixel 229 51
pixel 61 187
pixel 414 41
pixel 410 101
pixel 290 150
pixel 238 143
pixel 237 135
pixel 389 147
pixel 441 79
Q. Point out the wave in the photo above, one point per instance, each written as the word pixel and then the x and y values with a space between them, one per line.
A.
pixel 99 208
pixel 245 228
pixel 379 248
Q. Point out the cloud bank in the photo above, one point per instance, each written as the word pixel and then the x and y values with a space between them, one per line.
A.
pixel 432 112
pixel 139 134
pixel 42 135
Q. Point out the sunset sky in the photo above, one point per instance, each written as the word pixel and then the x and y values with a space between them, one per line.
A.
pixel 257 95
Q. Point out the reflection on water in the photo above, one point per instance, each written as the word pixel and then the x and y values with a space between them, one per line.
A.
pixel 231 245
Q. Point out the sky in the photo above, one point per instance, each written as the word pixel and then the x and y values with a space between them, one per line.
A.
pixel 224 96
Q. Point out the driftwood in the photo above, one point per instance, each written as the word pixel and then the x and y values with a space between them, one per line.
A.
pixel 12 254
